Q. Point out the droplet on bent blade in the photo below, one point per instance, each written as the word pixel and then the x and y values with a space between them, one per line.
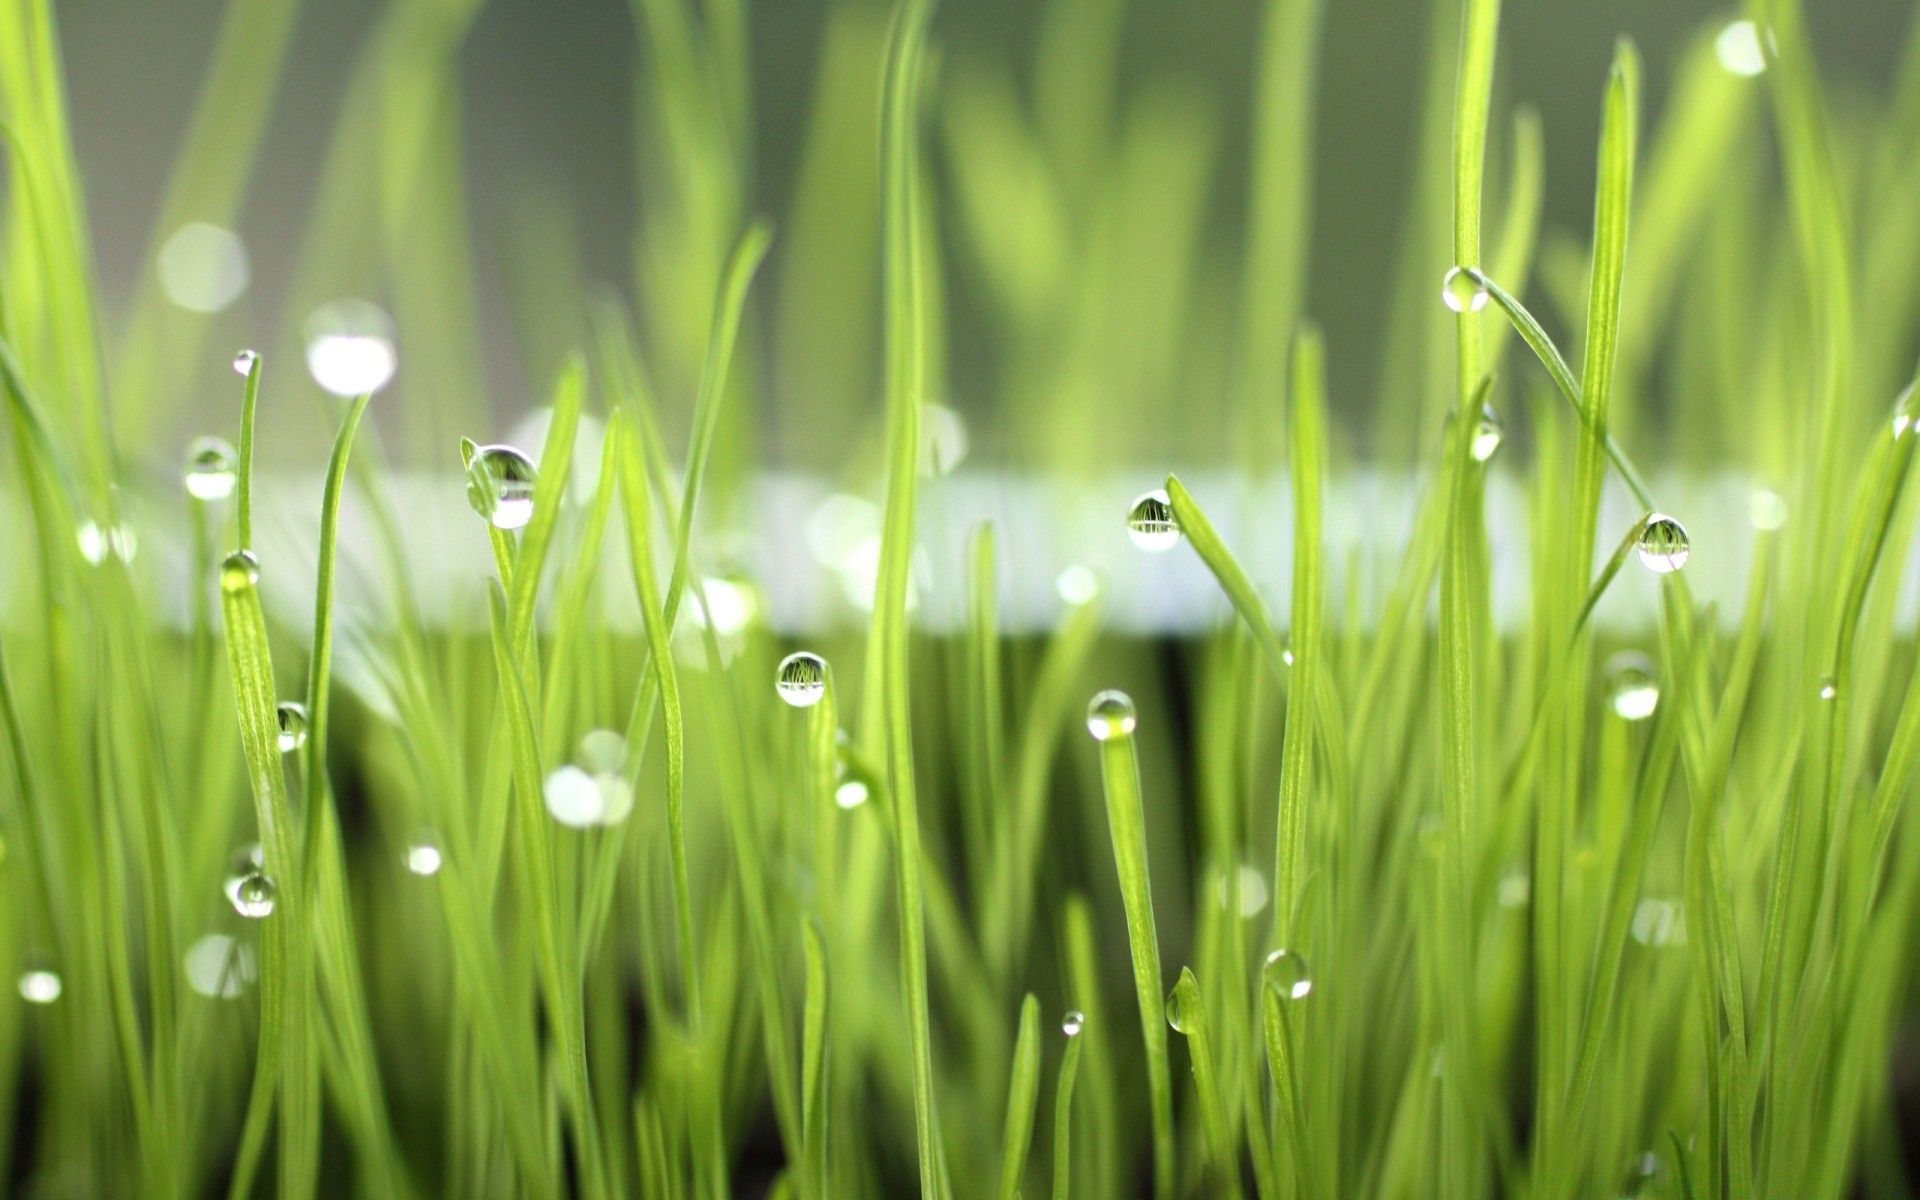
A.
pixel 1110 715
pixel 292 717
pixel 1073 1022
pixel 1486 435
pixel 210 473
pixel 1288 975
pixel 500 483
pixel 1462 292
pixel 240 570
pixel 801 679
pixel 1152 524
pixel 1632 688
pixel 1183 1004
pixel 1663 545
pixel 254 895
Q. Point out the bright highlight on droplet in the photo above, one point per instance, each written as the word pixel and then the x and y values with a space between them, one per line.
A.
pixel 350 347
pixel 801 679
pixel 1288 974
pixel 1632 688
pixel 1110 715
pixel 98 544
pixel 574 798
pixel 1073 1022
pixel 40 986
pixel 210 468
pixel 292 716
pixel 500 483
pixel 220 967
pixel 1486 435
pixel 850 795
pixel 1766 510
pixel 1152 523
pixel 243 362
pixel 1461 292
pixel 1738 49
pixel 1663 545
pixel 240 570
pixel 1184 1009
pixel 1077 584
pixel 254 896
pixel 203 268
pixel 943 439
pixel 1828 687
pixel 423 856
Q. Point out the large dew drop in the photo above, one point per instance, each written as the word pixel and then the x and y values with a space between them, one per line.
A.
pixel 350 347
pixel 254 895
pixel 1110 715
pixel 801 679
pixel 210 468
pixel 1462 292
pixel 240 571
pixel 292 717
pixel 1486 435
pixel 220 967
pixel 1288 975
pixel 423 855
pixel 1073 1022
pixel 1663 544
pixel 500 486
pixel 1183 1004
pixel 1632 688
pixel 1152 523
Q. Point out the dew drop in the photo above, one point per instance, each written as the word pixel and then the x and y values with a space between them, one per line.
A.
pixel 1077 584
pixel 1073 1022
pixel 423 854
pixel 1643 1170
pixel 40 984
pixel 1766 510
pixel 1110 715
pixel 98 544
pixel 220 967
pixel 1663 545
pixel 1486 435
pixel 1738 49
pixel 850 795
pixel 1462 292
pixel 246 859
pixel 210 468
pixel 573 798
pixel 500 486
pixel 1288 975
pixel 943 440
pixel 240 571
pixel 243 362
pixel 1829 687
pixel 350 347
pixel 1632 688
pixel 1152 523
pixel 801 679
pixel 1183 1004
pixel 292 716
pixel 254 895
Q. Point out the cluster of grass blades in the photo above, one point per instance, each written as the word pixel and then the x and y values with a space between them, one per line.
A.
pixel 553 903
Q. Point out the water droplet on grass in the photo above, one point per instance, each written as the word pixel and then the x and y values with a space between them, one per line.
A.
pixel 1632 688
pixel 254 895
pixel 1663 545
pixel 1738 49
pixel 40 985
pixel 1287 973
pixel 1184 1005
pixel 1110 715
pixel 850 795
pixel 574 798
pixel 98 544
pixel 1462 292
pixel 1829 687
pixel 1152 523
pixel 423 855
pixel 1077 584
pixel 500 483
pixel 801 679
pixel 292 716
pixel 1656 923
pixel 1486 435
pixel 240 570
pixel 1073 1022
pixel 210 468
pixel 243 362
pixel 350 347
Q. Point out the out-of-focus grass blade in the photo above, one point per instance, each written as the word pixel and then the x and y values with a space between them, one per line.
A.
pixel 1023 1093
pixel 1063 1112
pixel 816 1062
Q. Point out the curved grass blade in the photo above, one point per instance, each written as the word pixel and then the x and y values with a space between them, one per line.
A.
pixel 1189 1009
pixel 1023 1093
pixel 1063 1114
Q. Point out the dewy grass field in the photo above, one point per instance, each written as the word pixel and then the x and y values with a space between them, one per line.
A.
pixel 1362 893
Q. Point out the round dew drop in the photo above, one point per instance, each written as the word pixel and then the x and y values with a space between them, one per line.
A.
pixel 292 717
pixel 500 483
pixel 801 679
pixel 1663 544
pixel 1828 687
pixel 1632 688
pixel 38 985
pixel 241 570
pixel 1462 292
pixel 1288 975
pixel 850 795
pixel 210 469
pixel 1152 523
pixel 423 856
pixel 1183 1005
pixel 1486 435
pixel 247 859
pixel 243 362
pixel 254 895
pixel 1073 1022
pixel 1110 715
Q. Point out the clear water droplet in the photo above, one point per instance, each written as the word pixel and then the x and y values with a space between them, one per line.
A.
pixel 1766 510
pixel 292 716
pixel 1184 1005
pixel 500 483
pixel 210 468
pixel 241 570
pixel 1152 524
pixel 1486 435
pixel 1073 1022
pixel 1110 715
pixel 574 798
pixel 1632 688
pixel 801 679
pixel 254 895
pixel 350 347
pixel 220 967
pixel 40 984
pixel 243 362
pixel 1829 687
pixel 423 854
pixel 247 859
pixel 1738 49
pixel 850 794
pixel 1077 584
pixel 98 544
pixel 1462 292
pixel 1663 545
pixel 1288 975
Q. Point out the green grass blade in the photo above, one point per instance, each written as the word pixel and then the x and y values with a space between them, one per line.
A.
pixel 1023 1093
pixel 1188 1009
pixel 1307 456
pixel 1063 1114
